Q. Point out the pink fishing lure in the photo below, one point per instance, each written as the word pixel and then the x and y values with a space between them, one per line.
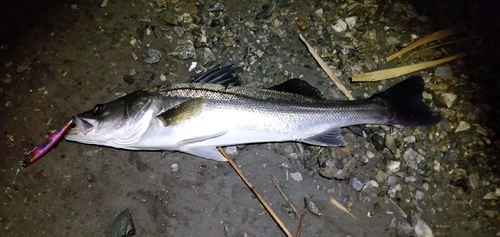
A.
pixel 49 142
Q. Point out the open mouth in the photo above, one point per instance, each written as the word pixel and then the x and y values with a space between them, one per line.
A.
pixel 81 125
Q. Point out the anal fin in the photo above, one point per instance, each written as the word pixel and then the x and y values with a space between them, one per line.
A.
pixel 207 152
pixel 329 137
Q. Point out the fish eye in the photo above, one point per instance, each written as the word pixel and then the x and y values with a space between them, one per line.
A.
pixel 98 109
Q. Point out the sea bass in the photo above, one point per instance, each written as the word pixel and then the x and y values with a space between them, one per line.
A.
pixel 212 110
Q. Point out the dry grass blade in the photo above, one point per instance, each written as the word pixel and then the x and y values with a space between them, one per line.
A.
pixel 284 195
pixel 436 46
pixel 399 71
pixel 432 37
pixel 257 194
pixel 339 206
pixel 328 71
pixel 301 222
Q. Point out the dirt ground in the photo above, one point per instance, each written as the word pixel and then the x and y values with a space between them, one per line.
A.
pixel 76 54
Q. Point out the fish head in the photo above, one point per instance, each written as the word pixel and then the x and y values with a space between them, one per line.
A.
pixel 119 123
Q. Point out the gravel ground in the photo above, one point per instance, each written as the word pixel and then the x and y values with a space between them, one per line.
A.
pixel 64 57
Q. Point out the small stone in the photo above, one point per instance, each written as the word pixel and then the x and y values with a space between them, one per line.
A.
pixel 319 12
pixel 179 31
pixel 391 181
pixel 390 143
pixel 259 53
pixel 122 225
pixel 228 42
pixel 231 150
pixel 419 195
pixel 370 155
pixel 174 167
pixel 409 139
pixel 444 72
pixel 128 79
pixel 340 26
pixel 381 176
pixel 133 41
pixel 357 185
pixel 151 56
pixel 208 56
pixel 419 226
pixel 158 32
pixel 426 186
pixel 351 22
pixel 462 126
pixel 7 79
pixel 491 213
pixel 448 99
pixel 302 24
pixel 393 166
pixel 171 19
pixel 490 196
pixel 297 176
pixel 134 56
pixel 185 50
pixel 392 40
pixel 378 142
pixel 313 208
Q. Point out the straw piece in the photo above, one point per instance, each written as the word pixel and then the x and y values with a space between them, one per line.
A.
pixel 339 206
pixel 325 68
pixel 399 71
pixel 432 37
pixel 423 52
pixel 252 188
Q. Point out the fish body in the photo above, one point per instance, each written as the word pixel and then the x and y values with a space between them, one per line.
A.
pixel 212 110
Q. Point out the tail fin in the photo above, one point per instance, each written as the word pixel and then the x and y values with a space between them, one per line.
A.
pixel 404 100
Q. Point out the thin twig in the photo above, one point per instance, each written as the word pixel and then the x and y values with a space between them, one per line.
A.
pixel 325 68
pixel 302 217
pixel 284 195
pixel 339 206
pixel 261 199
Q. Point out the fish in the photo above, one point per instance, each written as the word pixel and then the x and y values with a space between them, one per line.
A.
pixel 214 110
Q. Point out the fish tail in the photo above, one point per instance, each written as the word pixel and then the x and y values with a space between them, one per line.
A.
pixel 404 102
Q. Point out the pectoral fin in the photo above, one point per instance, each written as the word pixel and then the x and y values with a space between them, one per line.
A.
pixel 181 112
pixel 206 152
pixel 201 138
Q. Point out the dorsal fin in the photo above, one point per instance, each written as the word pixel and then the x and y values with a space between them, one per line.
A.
pixel 298 86
pixel 217 75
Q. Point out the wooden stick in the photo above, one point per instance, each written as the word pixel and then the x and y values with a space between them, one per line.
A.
pixel 284 195
pixel 261 199
pixel 432 37
pixel 395 72
pixel 302 217
pixel 328 71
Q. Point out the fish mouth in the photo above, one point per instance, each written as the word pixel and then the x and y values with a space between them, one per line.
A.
pixel 82 125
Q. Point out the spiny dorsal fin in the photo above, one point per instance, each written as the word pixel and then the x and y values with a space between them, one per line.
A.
pixel 300 87
pixel 217 75
pixel 181 112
